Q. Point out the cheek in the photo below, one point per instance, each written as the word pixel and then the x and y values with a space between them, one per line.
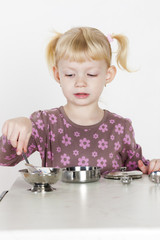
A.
pixel 99 84
pixel 66 89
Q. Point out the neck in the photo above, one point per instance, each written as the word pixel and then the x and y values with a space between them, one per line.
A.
pixel 84 115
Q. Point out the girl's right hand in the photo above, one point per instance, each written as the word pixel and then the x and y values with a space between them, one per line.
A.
pixel 18 132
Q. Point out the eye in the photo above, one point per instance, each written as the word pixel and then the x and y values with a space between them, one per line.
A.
pixel 69 75
pixel 92 75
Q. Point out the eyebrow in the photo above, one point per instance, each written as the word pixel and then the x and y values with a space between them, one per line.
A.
pixel 71 68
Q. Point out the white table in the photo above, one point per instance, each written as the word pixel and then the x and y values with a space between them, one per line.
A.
pixel 106 208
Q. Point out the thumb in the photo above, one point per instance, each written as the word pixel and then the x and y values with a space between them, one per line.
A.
pixel 142 167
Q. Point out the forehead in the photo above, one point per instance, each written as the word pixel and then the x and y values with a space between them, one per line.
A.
pixel 87 64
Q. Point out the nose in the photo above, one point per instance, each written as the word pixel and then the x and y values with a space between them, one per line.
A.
pixel 80 82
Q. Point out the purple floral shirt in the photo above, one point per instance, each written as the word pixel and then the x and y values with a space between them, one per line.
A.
pixel 109 144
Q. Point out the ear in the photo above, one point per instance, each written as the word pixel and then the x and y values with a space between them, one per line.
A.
pixel 56 74
pixel 111 72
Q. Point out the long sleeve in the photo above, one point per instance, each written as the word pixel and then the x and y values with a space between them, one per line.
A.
pixel 8 156
pixel 131 151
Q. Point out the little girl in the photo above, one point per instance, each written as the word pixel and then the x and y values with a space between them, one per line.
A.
pixel 79 133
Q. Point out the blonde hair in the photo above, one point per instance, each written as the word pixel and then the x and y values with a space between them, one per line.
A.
pixel 81 42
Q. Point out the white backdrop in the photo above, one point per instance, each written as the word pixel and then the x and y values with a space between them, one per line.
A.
pixel 27 86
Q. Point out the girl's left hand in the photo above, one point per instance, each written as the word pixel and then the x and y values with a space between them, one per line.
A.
pixel 154 165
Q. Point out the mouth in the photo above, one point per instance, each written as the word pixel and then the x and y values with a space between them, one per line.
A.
pixel 81 95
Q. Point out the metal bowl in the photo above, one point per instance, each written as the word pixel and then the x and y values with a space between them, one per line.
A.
pixel 81 174
pixel 155 177
pixel 41 181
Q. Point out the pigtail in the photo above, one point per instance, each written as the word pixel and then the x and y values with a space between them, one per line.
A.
pixel 50 50
pixel 122 52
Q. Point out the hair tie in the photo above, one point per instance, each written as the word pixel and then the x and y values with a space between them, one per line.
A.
pixel 109 37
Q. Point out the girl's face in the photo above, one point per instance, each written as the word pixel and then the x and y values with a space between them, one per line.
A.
pixel 82 83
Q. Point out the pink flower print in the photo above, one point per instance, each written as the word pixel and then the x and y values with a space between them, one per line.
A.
pixel 112 121
pixel 3 149
pixel 102 144
pixel 94 154
pixel 66 140
pixel 84 143
pixel 115 164
pixel 116 146
pixel 60 130
pixel 50 155
pixel 35 133
pixel 76 134
pixel 31 148
pixel 75 152
pixel 83 161
pixel 38 114
pixel 7 158
pixel 66 123
pixel 14 155
pixel 65 159
pixel 132 165
pixel 111 155
pixel 10 157
pixel 137 155
pixel 51 136
pixel 130 128
pixel 44 113
pixel 127 139
pixel 86 130
pixel 39 148
pixel 103 128
pixel 40 124
pixel 101 162
pixel 119 129
pixel 58 149
pixel 95 136
pixel 112 137
pixel 41 139
pixel 52 118
pixel 130 153
pixel 3 164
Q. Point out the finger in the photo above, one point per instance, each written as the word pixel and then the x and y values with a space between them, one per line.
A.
pixel 151 166
pixel 14 138
pixel 154 166
pixel 142 167
pixel 21 141
pixel 14 141
pixel 10 130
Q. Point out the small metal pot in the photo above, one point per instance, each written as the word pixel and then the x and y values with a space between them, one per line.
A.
pixel 81 174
